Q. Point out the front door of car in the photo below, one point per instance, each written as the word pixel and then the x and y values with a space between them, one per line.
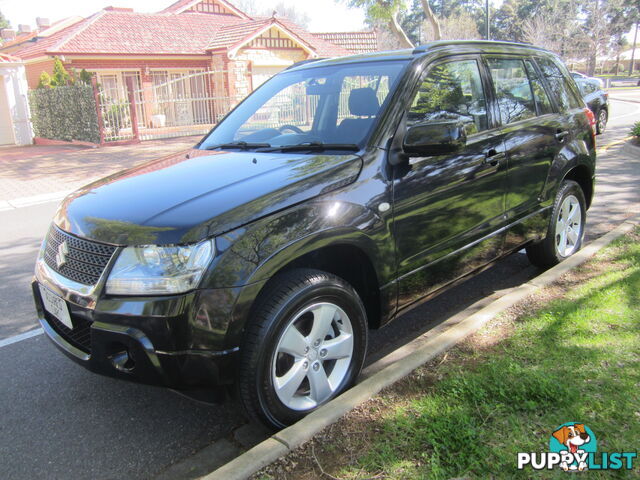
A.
pixel 448 209
pixel 533 136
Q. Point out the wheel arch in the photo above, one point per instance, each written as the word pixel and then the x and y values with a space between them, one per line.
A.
pixel 581 174
pixel 348 260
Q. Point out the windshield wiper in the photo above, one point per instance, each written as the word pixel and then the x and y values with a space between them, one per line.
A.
pixel 315 146
pixel 239 145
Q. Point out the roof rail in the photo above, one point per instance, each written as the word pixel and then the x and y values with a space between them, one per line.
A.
pixel 302 62
pixel 423 48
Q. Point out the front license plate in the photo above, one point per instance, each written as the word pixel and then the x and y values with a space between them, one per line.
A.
pixel 56 306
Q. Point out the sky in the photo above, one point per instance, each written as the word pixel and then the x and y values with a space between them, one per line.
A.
pixel 325 15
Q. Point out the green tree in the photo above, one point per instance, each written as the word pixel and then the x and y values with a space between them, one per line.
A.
pixel 45 80
pixel 60 77
pixel 604 21
pixel 85 77
pixel 4 23
pixel 385 12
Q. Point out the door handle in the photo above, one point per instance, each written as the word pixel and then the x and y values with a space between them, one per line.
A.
pixel 493 157
pixel 561 134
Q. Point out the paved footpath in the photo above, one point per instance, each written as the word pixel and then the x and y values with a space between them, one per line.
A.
pixel 32 173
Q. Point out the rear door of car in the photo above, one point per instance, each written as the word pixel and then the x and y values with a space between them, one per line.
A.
pixel 533 133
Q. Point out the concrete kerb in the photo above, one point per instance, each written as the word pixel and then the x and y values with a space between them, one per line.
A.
pixel 281 443
pixel 632 150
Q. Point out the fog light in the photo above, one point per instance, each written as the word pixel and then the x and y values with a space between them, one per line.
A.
pixel 122 361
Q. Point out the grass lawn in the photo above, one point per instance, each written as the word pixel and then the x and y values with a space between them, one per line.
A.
pixel 570 353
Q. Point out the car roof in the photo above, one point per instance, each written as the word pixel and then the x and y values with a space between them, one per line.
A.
pixel 441 46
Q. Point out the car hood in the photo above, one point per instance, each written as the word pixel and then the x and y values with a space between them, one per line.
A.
pixel 193 195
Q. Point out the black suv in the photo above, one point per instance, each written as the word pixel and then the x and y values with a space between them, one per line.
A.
pixel 334 197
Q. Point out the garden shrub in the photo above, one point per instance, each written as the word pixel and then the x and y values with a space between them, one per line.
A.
pixel 65 113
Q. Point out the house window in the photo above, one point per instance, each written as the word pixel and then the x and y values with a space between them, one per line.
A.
pixel 110 89
pixel 182 97
pixel 113 86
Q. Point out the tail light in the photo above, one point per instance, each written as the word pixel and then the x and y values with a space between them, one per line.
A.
pixel 592 121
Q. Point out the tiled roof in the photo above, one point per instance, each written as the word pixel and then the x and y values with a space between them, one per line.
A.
pixel 4 58
pixel 230 35
pixel 322 47
pixel 355 42
pixel 38 47
pixel 118 32
pixel 40 32
pixel 182 5
pixel 20 38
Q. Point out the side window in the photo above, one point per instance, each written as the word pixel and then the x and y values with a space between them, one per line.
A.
pixel 451 91
pixel 539 94
pixel 558 84
pixel 513 92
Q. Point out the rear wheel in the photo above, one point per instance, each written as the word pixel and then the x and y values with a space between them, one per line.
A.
pixel 304 346
pixel 566 228
pixel 601 121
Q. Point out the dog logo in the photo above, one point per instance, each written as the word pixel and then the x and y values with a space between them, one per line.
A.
pixel 573 438
pixel 573 448
pixel 61 254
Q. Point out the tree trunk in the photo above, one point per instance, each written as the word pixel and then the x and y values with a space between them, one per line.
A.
pixel 633 51
pixel 432 19
pixel 397 30
pixel 591 64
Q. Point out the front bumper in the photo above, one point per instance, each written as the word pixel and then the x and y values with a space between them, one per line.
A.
pixel 153 340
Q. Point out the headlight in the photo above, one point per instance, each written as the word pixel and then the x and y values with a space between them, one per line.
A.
pixel 154 270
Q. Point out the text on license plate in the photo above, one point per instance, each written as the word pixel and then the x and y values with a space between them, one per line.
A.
pixel 56 306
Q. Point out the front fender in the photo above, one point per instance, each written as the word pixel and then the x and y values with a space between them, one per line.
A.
pixel 257 251
pixel 249 256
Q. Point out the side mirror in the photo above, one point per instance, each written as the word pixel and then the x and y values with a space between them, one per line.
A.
pixel 438 138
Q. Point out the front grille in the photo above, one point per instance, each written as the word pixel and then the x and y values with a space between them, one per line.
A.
pixel 79 336
pixel 84 260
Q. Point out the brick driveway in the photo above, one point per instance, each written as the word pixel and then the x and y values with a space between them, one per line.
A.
pixel 48 170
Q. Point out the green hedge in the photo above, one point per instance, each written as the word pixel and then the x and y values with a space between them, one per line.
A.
pixel 65 113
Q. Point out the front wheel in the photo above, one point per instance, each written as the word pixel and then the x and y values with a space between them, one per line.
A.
pixel 566 228
pixel 304 346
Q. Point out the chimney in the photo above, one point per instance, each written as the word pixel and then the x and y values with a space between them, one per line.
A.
pixel 24 28
pixel 8 34
pixel 42 23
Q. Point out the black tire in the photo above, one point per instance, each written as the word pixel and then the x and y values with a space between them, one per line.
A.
pixel 278 306
pixel 546 253
pixel 601 121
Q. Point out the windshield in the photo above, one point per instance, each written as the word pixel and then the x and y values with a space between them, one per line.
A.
pixel 323 106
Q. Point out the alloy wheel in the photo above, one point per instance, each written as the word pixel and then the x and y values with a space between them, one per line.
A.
pixel 568 226
pixel 313 356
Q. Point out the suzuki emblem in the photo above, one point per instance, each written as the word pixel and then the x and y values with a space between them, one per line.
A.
pixel 61 256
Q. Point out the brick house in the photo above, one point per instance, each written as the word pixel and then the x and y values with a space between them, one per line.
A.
pixel 162 51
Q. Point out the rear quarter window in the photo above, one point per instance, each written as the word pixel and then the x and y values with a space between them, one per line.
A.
pixel 564 94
